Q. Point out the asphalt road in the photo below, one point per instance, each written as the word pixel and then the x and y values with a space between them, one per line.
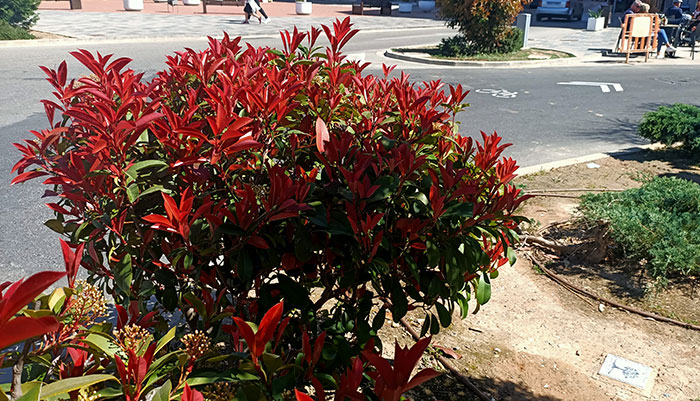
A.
pixel 545 121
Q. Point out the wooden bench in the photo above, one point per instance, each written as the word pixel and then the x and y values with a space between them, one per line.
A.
pixel 383 5
pixel 237 3
pixel 639 34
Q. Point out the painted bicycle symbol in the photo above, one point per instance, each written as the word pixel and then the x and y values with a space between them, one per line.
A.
pixel 499 93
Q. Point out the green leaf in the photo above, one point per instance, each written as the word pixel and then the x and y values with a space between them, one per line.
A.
pixel 132 192
pixel 32 394
pixel 461 209
pixel 510 253
pixel 302 242
pixel 165 339
pixel 399 301
pixel 444 315
pixel 379 319
pixel 102 343
pixel 213 377
pixel 483 289
pixel 155 188
pixel 294 293
pixel 162 393
pixel 56 299
pixel 109 392
pixel 196 303
pixel 123 274
pixel 55 224
pixel 426 326
pixel 463 303
pixel 73 383
pixel 135 169
pixel 434 325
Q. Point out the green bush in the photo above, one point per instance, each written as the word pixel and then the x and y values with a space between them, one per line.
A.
pixel 460 46
pixel 19 13
pixel 659 222
pixel 9 32
pixel 486 25
pixel 677 123
pixel 240 177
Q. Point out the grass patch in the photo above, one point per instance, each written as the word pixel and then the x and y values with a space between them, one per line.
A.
pixel 9 32
pixel 658 223
pixel 520 55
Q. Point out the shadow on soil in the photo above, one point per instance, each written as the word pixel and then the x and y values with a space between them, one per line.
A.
pixel 447 388
pixel 679 159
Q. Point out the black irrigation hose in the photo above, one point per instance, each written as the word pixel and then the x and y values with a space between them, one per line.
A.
pixel 447 365
pixel 571 287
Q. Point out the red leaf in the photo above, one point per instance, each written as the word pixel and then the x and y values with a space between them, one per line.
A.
pixel 258 242
pixel 190 394
pixel 422 377
pixel 268 324
pixel 23 292
pixel 170 206
pixel 22 328
pixel 321 134
pixel 27 176
pixel 72 260
pixel 301 396
pixel 248 336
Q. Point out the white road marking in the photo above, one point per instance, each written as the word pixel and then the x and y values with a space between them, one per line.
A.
pixel 604 86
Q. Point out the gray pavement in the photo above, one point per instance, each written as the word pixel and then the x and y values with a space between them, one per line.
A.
pixel 94 25
pixel 572 38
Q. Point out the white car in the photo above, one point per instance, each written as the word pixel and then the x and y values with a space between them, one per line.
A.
pixel 569 10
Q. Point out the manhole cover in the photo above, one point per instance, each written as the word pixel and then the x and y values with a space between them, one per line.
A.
pixel 626 371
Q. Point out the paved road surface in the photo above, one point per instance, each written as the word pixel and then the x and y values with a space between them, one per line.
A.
pixel 544 120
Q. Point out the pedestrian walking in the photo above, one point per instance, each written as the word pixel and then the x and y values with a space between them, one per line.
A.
pixel 252 8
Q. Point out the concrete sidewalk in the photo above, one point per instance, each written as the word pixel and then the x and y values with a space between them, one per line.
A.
pixel 106 19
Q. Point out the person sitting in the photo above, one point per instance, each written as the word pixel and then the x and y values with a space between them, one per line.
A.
pixel 662 38
pixel 635 7
pixel 696 18
pixel 675 13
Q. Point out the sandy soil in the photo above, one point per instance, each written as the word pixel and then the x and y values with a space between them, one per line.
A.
pixel 535 340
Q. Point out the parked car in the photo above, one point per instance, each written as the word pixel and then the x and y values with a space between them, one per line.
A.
pixel 569 10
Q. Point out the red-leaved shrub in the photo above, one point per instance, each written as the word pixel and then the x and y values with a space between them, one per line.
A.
pixel 242 176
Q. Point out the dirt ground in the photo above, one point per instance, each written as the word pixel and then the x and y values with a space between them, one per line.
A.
pixel 535 340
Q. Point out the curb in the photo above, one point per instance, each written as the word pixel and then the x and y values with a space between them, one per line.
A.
pixel 464 63
pixel 522 171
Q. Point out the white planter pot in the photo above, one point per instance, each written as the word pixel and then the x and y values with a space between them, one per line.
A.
pixel 190 2
pixel 133 5
pixel 304 7
pixel 595 24
pixel 405 7
pixel 426 5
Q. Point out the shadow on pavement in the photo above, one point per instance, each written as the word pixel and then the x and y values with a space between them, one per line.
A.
pixel 447 388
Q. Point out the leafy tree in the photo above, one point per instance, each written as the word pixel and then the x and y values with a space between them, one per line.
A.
pixel 484 25
pixel 19 13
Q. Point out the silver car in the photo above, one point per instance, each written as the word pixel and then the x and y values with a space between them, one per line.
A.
pixel 569 10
